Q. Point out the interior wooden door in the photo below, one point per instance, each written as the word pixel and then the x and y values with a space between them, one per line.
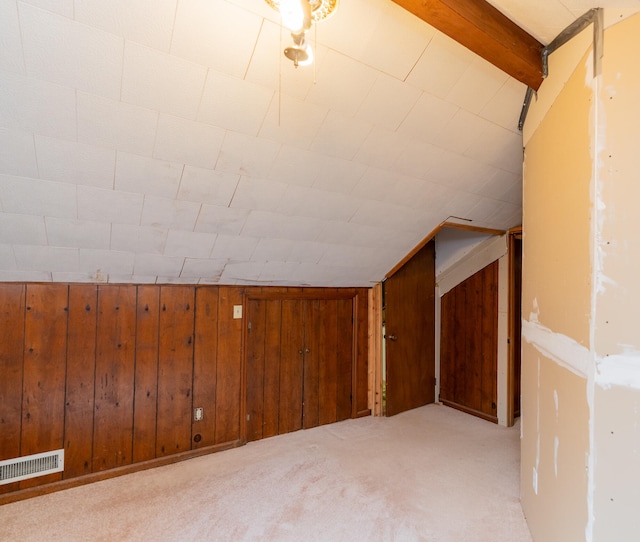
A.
pixel 410 333
pixel 469 345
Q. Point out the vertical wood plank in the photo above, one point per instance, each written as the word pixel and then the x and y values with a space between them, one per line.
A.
pixel 489 341
pixel 446 344
pixel 146 372
pixel 175 371
pixel 475 311
pixel 256 315
pixel 229 369
pixel 272 353
pixel 290 403
pixel 12 321
pixel 461 349
pixel 345 359
pixel 205 364
pixel 328 339
pixel 360 330
pixel 313 310
pixel 115 371
pixel 80 380
pixel 45 351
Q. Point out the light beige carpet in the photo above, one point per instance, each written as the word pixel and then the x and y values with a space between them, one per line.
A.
pixel 431 474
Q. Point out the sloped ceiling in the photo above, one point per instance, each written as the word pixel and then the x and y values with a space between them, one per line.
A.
pixel 170 141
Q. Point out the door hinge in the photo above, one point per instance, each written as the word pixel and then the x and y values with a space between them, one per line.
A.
pixel 249 324
pixel 435 381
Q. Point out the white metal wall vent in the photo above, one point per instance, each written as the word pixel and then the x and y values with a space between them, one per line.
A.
pixel 30 466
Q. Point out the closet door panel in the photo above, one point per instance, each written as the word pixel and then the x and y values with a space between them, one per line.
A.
pixel 272 363
pixel 328 377
pixel 313 309
pixel 291 366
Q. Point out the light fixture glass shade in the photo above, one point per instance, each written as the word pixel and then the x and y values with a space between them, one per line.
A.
pixel 320 9
pixel 293 15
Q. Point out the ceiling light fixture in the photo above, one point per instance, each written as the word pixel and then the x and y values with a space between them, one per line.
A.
pixel 298 16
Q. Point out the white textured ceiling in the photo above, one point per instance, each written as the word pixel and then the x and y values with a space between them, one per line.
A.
pixel 170 141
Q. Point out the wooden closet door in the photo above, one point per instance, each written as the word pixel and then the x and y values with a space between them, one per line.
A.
pixel 291 366
pixel 328 361
pixel 299 364
pixel 263 367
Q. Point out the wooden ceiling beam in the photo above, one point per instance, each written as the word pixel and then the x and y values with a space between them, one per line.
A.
pixel 487 32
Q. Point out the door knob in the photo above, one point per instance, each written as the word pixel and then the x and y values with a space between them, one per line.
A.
pixel 392 337
pixel 300 351
pixel 306 350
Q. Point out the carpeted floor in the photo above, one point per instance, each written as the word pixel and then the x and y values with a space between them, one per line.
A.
pixel 431 474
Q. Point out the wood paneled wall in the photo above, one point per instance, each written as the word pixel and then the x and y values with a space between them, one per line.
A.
pixel 469 345
pixel 111 373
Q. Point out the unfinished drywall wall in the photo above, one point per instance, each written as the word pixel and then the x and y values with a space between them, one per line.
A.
pixel 616 431
pixel 556 286
pixel 581 296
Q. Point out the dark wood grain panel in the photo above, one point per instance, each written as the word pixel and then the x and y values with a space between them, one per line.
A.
pixel 360 406
pixel 146 373
pixel 328 343
pixel 45 350
pixel 489 341
pixel 272 355
pixel 291 366
pixel 410 332
pixel 344 359
pixel 12 309
pixel 115 372
pixel 474 353
pixel 447 327
pixel 469 339
pixel 205 365
pixel 175 370
pixel 256 335
pixel 80 380
pixel 312 320
pixel 461 350
pixel 229 371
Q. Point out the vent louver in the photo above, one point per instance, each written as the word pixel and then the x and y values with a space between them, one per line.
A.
pixel 30 466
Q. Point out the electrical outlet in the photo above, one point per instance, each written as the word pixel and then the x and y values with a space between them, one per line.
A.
pixel 237 311
pixel 198 413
